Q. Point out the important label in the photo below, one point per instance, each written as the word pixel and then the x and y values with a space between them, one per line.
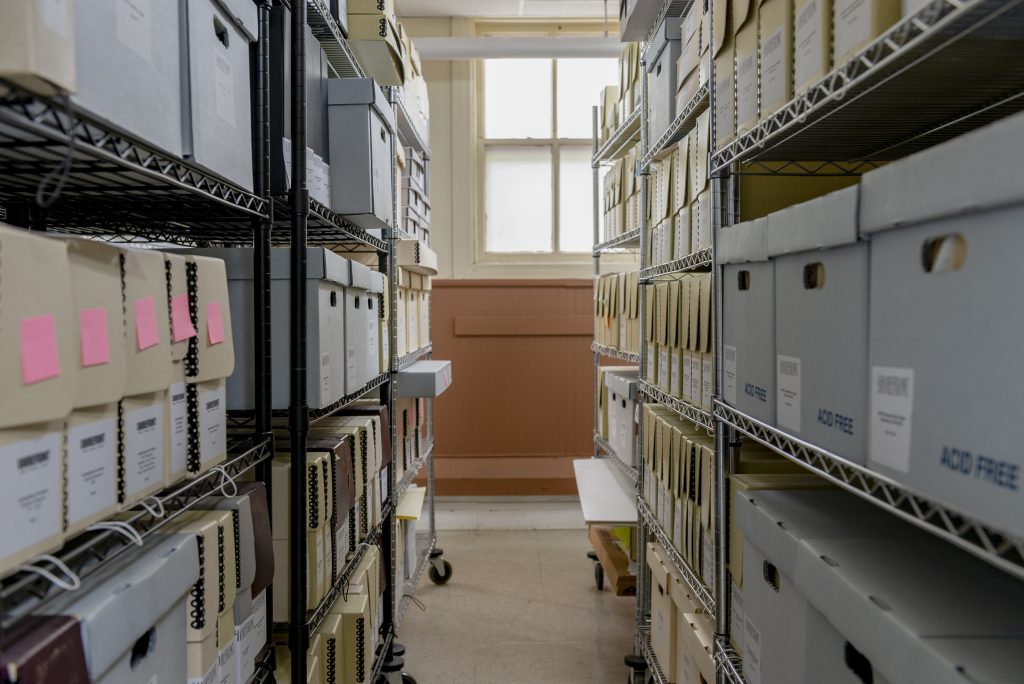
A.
pixel 787 380
pixel 224 88
pixel 892 410
pixel 134 26
pixel 729 371
pixel 143 448
pixel 809 48
pixel 31 511
pixel 91 466
pixel 212 428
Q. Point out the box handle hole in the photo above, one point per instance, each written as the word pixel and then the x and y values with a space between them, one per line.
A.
pixel 221 31
pixel 143 646
pixel 944 253
pixel 771 575
pixel 858 664
pixel 334 298
pixel 814 276
pixel 743 281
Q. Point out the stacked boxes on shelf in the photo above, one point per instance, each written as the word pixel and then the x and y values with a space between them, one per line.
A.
pixel 417 99
pixel 629 81
pixel 617 311
pixel 609 118
pixel 613 202
pixel 662 60
pixel 374 37
pixel 417 264
pixel 679 338
pixel 415 201
pixel 617 404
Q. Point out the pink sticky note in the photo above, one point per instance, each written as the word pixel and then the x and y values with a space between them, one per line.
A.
pixel 92 325
pixel 147 334
pixel 214 323
pixel 181 322
pixel 39 357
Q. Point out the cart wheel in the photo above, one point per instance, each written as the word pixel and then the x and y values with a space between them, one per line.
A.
pixel 438 578
pixel 599 576
pixel 408 679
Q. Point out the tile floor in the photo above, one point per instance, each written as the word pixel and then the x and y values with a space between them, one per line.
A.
pixel 521 608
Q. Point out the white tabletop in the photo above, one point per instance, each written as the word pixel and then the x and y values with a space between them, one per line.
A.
pixel 606 496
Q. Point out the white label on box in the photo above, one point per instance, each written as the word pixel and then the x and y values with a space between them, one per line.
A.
pixel 178 428
pixel 787 381
pixel 31 510
pixel 652 363
pixel 245 657
pixel 258 636
pixel 134 19
pixel 729 371
pixel 707 380
pixel 675 376
pixel 752 652
pixel 687 389
pixel 695 378
pixel 224 88
pixel 746 89
pixel 892 410
pixel 677 530
pixel 143 448
pixel 852 24
pixel 209 678
pixel 663 368
pixel 708 566
pixel 92 468
pixel 212 428
pixel 773 69
pixel 724 114
pixel 54 15
pixel 286 151
pixel 227 668
pixel 738 619
pixel 809 48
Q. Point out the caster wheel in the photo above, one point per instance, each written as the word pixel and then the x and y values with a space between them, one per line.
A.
pixel 438 578
pixel 408 679
pixel 599 576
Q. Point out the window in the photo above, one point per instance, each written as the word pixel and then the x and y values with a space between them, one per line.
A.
pixel 536 129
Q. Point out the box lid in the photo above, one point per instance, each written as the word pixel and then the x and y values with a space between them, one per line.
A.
pixel 122 602
pixel 360 275
pixel 670 29
pixel 244 14
pixel 742 243
pixel 262 534
pixel 827 221
pixel 974 172
pixel 46 650
pixel 417 256
pixel 720 21
pixel 377 281
pixel 360 91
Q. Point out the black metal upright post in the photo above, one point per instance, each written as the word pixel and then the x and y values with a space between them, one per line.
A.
pixel 298 414
pixel 261 265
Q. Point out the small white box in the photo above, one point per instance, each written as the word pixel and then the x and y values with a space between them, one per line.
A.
pixel 621 392
pixel 425 379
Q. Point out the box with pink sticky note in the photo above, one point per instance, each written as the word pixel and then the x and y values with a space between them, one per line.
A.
pixel 39 372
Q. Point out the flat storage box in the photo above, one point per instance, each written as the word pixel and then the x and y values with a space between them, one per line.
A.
pixel 129 58
pixel 37 48
pixel 425 379
pixel 744 27
pixel 417 256
pixel 362 124
pixel 821 285
pixel 90 465
pixel 46 650
pixel 636 18
pixel 148 322
pixel 218 132
pixel 374 39
pixel 945 369
pixel 748 331
pixel 151 586
pixel 661 77
pixel 621 392
pixel 723 53
pixel 663 611
pixel 775 19
pixel 40 380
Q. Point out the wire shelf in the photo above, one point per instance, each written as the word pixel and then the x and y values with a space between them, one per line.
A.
pixel 413 357
pixel 380 655
pixel 691 262
pixel 410 474
pixel 317 414
pixel 25 593
pixel 264 667
pixel 628 470
pixel 653 667
pixel 613 353
pixel 115 184
pixel 324 228
pixel 950 67
pixel 414 582
pixel 699 589
pixel 620 141
pixel 630 240
pixel 699 417
pixel 991 545
pixel 328 33
pixel 669 8
pixel 680 126
pixel 728 663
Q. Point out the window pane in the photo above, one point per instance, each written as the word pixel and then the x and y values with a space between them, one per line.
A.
pixel 575 200
pixel 517 98
pixel 579 88
pixel 517 199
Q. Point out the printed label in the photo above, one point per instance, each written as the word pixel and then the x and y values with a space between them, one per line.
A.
pixel 212 428
pixel 729 371
pixel 809 48
pixel 224 88
pixel 787 379
pixel 31 470
pixel 737 619
pixel 227 668
pixel 746 89
pixel 677 530
pixel 663 367
pixel 687 390
pixel 695 378
pixel 752 653
pixel 178 428
pixel 246 657
pixel 286 154
pixel 258 636
pixel 134 26
pixel 143 448
pixel 54 15
pixel 209 678
pixel 724 112
pixel 852 25
pixel 708 567
pixel 707 380
pixel 675 376
pixel 892 409
pixel 92 471
pixel 652 363
pixel 773 70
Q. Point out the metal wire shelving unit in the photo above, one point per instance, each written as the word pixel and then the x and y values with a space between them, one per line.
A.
pixel 680 126
pixel 613 353
pixel 605 448
pixel 700 591
pixel 697 261
pixel 643 639
pixel 696 415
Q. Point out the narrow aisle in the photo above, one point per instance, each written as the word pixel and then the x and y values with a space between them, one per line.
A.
pixel 521 608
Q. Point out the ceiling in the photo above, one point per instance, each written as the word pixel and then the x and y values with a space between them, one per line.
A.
pixel 562 9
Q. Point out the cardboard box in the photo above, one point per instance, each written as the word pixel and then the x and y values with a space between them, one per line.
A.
pixel 374 39
pixel 46 650
pixel 748 334
pixel 663 613
pixel 621 387
pixel 361 326
pixel 148 322
pixel 723 53
pixel 211 314
pixel 218 132
pixel 154 582
pixel 31 458
pixel 140 43
pixel 417 257
pixel 37 46
pixel 425 379
pixel 90 466
pixel 856 23
pixel 240 508
pixel 354 610
pixel 812 38
pixel 697 639
pixel 144 447
pixel 636 17
pixel 40 381
pixel 775 83
pixel 745 27
pixel 662 55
